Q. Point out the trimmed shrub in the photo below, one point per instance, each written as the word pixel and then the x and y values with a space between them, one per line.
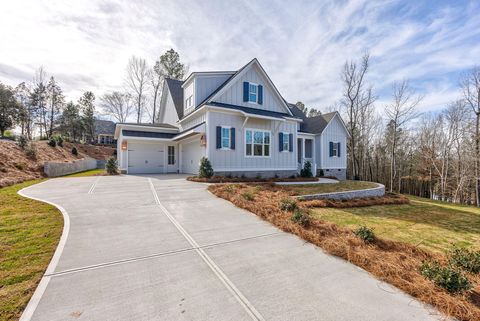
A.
pixel 52 142
pixel 301 217
pixel 248 196
pixel 31 151
pixel 288 204
pixel 321 173
pixel 465 259
pixel 205 170
pixel 111 166
pixel 22 141
pixel 449 278
pixel 306 170
pixel 74 151
pixel 365 234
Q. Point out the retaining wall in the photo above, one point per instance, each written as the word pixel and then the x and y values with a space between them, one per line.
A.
pixel 54 169
pixel 347 195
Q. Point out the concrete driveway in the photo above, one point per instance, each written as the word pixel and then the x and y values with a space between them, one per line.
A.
pixel 163 248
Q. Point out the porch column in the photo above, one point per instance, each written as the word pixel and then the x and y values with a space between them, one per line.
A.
pixel 314 157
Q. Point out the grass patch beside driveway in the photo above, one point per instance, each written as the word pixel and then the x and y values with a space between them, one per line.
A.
pixel 29 234
pixel 428 224
pixel 342 186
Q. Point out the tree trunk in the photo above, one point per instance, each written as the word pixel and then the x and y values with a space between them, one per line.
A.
pixel 477 155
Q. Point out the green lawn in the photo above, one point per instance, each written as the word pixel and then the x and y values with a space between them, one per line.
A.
pixel 91 172
pixel 430 224
pixel 306 189
pixel 29 233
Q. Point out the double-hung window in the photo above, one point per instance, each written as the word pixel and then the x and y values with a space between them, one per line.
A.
pixel 252 92
pixel 257 143
pixel 189 102
pixel 286 143
pixel 334 149
pixel 226 137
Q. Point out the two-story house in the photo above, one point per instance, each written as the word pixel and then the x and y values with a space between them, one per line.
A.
pixel 240 122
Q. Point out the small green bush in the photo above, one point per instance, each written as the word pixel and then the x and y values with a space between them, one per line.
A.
pixel 449 278
pixel 301 217
pixel 31 151
pixel 465 259
pixel 288 204
pixel 59 140
pixel 321 173
pixel 52 142
pixel 20 166
pixel 205 170
pixel 74 151
pixel 111 166
pixel 22 141
pixel 306 170
pixel 248 196
pixel 365 234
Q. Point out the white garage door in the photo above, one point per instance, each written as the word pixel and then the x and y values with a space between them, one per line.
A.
pixel 191 154
pixel 145 158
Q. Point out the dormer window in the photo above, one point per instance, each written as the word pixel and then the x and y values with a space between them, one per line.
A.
pixel 252 92
pixel 189 102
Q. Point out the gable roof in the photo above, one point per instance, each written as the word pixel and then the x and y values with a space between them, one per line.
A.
pixel 316 124
pixel 296 111
pixel 236 75
pixel 176 91
pixel 106 127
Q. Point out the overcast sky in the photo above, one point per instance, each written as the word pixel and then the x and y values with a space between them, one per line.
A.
pixel 301 44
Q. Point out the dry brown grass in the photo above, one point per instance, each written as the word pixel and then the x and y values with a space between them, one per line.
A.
pixel 393 262
pixel 388 199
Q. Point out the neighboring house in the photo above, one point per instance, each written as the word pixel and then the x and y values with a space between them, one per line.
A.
pixel 104 132
pixel 240 122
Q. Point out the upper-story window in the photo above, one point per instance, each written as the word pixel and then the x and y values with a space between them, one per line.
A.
pixel 189 102
pixel 252 92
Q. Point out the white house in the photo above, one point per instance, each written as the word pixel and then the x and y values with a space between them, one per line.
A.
pixel 240 122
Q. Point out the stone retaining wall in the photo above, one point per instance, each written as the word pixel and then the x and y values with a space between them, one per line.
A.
pixel 54 169
pixel 347 195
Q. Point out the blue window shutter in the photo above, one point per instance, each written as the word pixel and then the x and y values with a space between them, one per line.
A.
pixel 338 149
pixel 331 149
pixel 232 138
pixel 280 141
pixel 219 137
pixel 260 95
pixel 245 90
pixel 290 143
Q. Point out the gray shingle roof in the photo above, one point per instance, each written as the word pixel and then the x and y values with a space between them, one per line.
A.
pixel 163 125
pixel 316 125
pixel 249 110
pixel 105 127
pixel 176 90
pixel 296 112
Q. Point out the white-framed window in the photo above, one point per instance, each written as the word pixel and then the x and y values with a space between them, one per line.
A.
pixel 189 102
pixel 226 138
pixel 257 143
pixel 286 142
pixel 171 155
pixel 252 93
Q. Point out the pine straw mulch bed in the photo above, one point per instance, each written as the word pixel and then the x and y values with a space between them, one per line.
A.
pixel 393 262
pixel 236 179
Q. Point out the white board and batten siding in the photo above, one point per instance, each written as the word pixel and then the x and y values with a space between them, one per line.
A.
pixel 334 132
pixel 205 85
pixel 168 115
pixel 233 95
pixel 236 160
pixel 191 151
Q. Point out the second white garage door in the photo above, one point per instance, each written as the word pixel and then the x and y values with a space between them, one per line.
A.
pixel 146 158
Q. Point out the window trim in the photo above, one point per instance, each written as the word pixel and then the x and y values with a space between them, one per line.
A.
pixel 229 138
pixel 253 130
pixel 256 93
pixel 286 134
pixel 189 102
pixel 335 149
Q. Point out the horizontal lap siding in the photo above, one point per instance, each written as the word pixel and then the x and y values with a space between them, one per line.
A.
pixel 234 94
pixel 236 159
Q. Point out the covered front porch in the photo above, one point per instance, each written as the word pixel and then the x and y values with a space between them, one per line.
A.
pixel 306 151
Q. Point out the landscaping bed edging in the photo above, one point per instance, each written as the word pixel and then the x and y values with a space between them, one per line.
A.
pixel 347 195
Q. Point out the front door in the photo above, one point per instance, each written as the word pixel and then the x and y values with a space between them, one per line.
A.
pixel 172 162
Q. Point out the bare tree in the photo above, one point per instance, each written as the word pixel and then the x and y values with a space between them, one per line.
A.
pixel 117 105
pixel 399 113
pixel 156 77
pixel 357 96
pixel 471 94
pixel 137 79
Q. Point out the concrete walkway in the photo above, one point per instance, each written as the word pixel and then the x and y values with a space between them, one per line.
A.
pixel 163 248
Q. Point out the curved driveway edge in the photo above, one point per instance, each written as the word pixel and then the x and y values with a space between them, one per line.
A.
pixel 42 285
pixel 161 248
